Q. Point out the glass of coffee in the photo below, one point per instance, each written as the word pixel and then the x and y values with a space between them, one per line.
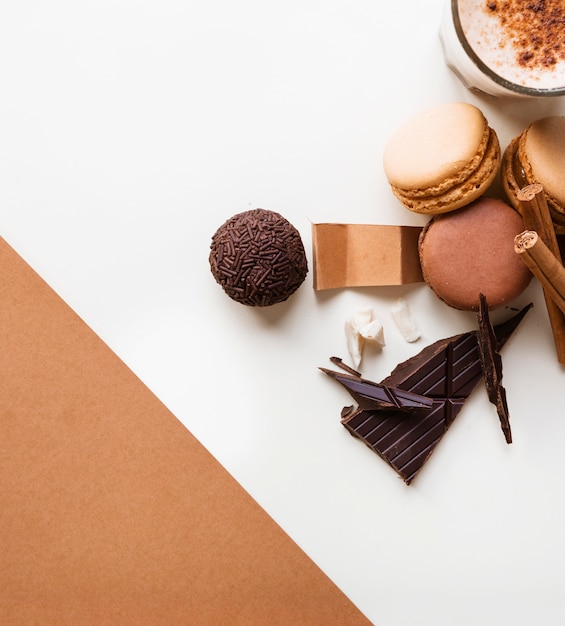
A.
pixel 506 48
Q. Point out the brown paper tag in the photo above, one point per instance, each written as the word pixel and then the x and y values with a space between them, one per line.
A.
pixel 365 255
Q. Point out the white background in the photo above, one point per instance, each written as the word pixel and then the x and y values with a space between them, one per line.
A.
pixel 130 130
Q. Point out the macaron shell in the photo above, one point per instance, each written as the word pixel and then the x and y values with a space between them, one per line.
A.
pixel 438 144
pixel 542 153
pixel 471 251
pixel 459 194
pixel 517 172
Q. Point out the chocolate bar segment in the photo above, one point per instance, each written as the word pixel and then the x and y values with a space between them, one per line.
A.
pixel 491 362
pixel 339 362
pixel 445 371
pixel 405 443
pixel 371 395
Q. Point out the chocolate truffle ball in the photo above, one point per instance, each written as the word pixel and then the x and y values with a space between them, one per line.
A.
pixel 258 258
pixel 471 251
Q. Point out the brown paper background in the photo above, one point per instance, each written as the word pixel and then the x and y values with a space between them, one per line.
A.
pixel 111 512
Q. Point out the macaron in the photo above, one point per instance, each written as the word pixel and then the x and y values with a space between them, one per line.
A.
pixel 537 155
pixel 442 159
pixel 471 251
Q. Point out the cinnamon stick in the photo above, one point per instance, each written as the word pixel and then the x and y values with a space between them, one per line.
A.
pixel 543 264
pixel 536 217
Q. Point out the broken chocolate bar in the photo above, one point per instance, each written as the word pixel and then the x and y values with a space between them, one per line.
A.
pixel 339 362
pixel 445 371
pixel 491 363
pixel 371 395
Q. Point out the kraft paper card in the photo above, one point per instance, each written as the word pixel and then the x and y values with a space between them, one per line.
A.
pixel 365 255
pixel 111 512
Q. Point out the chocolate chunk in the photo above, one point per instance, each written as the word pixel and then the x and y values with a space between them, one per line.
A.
pixel 371 395
pixel 339 362
pixel 445 371
pixel 491 362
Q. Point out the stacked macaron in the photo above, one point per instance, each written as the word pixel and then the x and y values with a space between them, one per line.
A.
pixel 442 158
pixel 471 251
pixel 441 163
pixel 537 155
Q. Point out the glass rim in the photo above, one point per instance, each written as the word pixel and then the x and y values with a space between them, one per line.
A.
pixel 485 69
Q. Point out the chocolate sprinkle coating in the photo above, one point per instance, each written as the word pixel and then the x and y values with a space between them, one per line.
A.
pixel 258 258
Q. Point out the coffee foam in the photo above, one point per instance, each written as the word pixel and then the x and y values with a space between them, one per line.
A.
pixel 500 45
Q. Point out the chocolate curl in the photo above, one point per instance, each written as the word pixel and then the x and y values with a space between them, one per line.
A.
pixel 536 217
pixel 543 265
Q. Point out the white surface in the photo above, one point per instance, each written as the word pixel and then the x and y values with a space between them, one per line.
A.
pixel 129 131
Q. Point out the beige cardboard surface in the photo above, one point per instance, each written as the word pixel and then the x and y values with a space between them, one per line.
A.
pixel 111 512
pixel 365 255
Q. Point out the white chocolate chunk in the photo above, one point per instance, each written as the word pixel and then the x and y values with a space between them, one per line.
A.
pixel 373 332
pixel 403 319
pixel 353 336
pixel 360 327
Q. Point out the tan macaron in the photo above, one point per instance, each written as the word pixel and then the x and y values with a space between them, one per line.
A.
pixel 442 159
pixel 471 251
pixel 538 156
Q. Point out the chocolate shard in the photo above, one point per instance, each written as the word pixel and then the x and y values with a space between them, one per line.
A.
pixel 491 363
pixel 445 371
pixel 371 395
pixel 339 362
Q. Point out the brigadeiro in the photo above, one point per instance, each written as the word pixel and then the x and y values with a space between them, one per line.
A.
pixel 258 258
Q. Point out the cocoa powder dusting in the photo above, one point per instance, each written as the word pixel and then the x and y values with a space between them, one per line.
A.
pixel 536 29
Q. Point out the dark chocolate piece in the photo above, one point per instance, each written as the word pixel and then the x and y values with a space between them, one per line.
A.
pixel 371 395
pixel 339 362
pixel 258 258
pixel 491 363
pixel 447 372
